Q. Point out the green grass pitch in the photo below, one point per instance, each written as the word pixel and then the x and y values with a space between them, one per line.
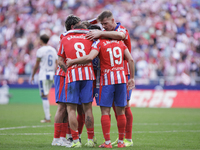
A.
pixel 153 128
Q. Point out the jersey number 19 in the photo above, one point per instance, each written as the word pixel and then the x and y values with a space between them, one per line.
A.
pixel 114 55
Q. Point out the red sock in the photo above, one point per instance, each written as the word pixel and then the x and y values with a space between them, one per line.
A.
pixel 57 130
pixel 74 134
pixel 105 123
pixel 81 121
pixel 129 124
pixel 90 133
pixel 113 106
pixel 68 131
pixel 64 129
pixel 121 124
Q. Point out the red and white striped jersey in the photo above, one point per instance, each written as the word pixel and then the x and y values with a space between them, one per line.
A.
pixel 127 42
pixel 75 45
pixel 111 54
pixel 59 70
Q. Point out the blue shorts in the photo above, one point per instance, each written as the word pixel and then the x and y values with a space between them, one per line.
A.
pixel 59 82
pixel 116 92
pixel 96 95
pixel 128 97
pixel 79 92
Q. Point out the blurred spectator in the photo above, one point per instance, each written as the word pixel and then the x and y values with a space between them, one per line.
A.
pixel 165 34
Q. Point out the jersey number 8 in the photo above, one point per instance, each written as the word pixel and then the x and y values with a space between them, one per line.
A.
pixel 79 50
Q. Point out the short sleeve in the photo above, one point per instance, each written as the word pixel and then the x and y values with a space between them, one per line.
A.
pixel 123 30
pixel 96 45
pixel 39 53
pixel 61 51
pixel 56 56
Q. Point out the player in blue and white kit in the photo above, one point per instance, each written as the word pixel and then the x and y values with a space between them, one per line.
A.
pixel 47 62
pixel 97 70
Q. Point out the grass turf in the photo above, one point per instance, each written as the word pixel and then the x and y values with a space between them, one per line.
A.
pixel 153 128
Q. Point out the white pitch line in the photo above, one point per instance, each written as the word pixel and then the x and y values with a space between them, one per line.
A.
pixel 134 124
pixel 168 124
pixel 135 132
pixel 159 124
pixel 25 133
pixel 39 126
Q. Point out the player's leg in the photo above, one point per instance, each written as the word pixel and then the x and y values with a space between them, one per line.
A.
pixel 72 95
pixel 121 125
pixel 86 100
pixel 89 123
pixel 68 132
pixel 106 95
pixel 96 96
pixel 44 91
pixel 129 117
pixel 58 117
pixel 105 124
pixel 61 116
pixel 59 126
pixel 64 125
pixel 120 103
pixel 81 119
pixel 73 123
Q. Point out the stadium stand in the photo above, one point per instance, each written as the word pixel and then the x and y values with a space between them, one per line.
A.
pixel 165 35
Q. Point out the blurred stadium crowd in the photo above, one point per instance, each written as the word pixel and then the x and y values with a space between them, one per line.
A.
pixel 165 34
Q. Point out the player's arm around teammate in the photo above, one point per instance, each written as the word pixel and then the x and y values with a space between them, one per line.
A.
pixel 115 30
pixel 79 84
pixel 104 109
pixel 62 64
pixel 61 124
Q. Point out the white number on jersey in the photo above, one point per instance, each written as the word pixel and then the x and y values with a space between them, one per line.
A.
pixel 114 54
pixel 79 50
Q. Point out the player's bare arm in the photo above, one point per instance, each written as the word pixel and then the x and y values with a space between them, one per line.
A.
pixel 62 64
pixel 35 69
pixel 131 81
pixel 115 35
pixel 94 34
pixel 56 64
pixel 83 60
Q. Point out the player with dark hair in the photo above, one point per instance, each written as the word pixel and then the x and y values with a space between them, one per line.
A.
pixel 112 83
pixel 79 83
pixel 94 27
pixel 116 31
pixel 44 38
pixel 97 69
pixel 71 21
pixel 61 126
pixel 46 61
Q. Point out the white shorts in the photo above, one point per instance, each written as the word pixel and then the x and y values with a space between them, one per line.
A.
pixel 45 86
